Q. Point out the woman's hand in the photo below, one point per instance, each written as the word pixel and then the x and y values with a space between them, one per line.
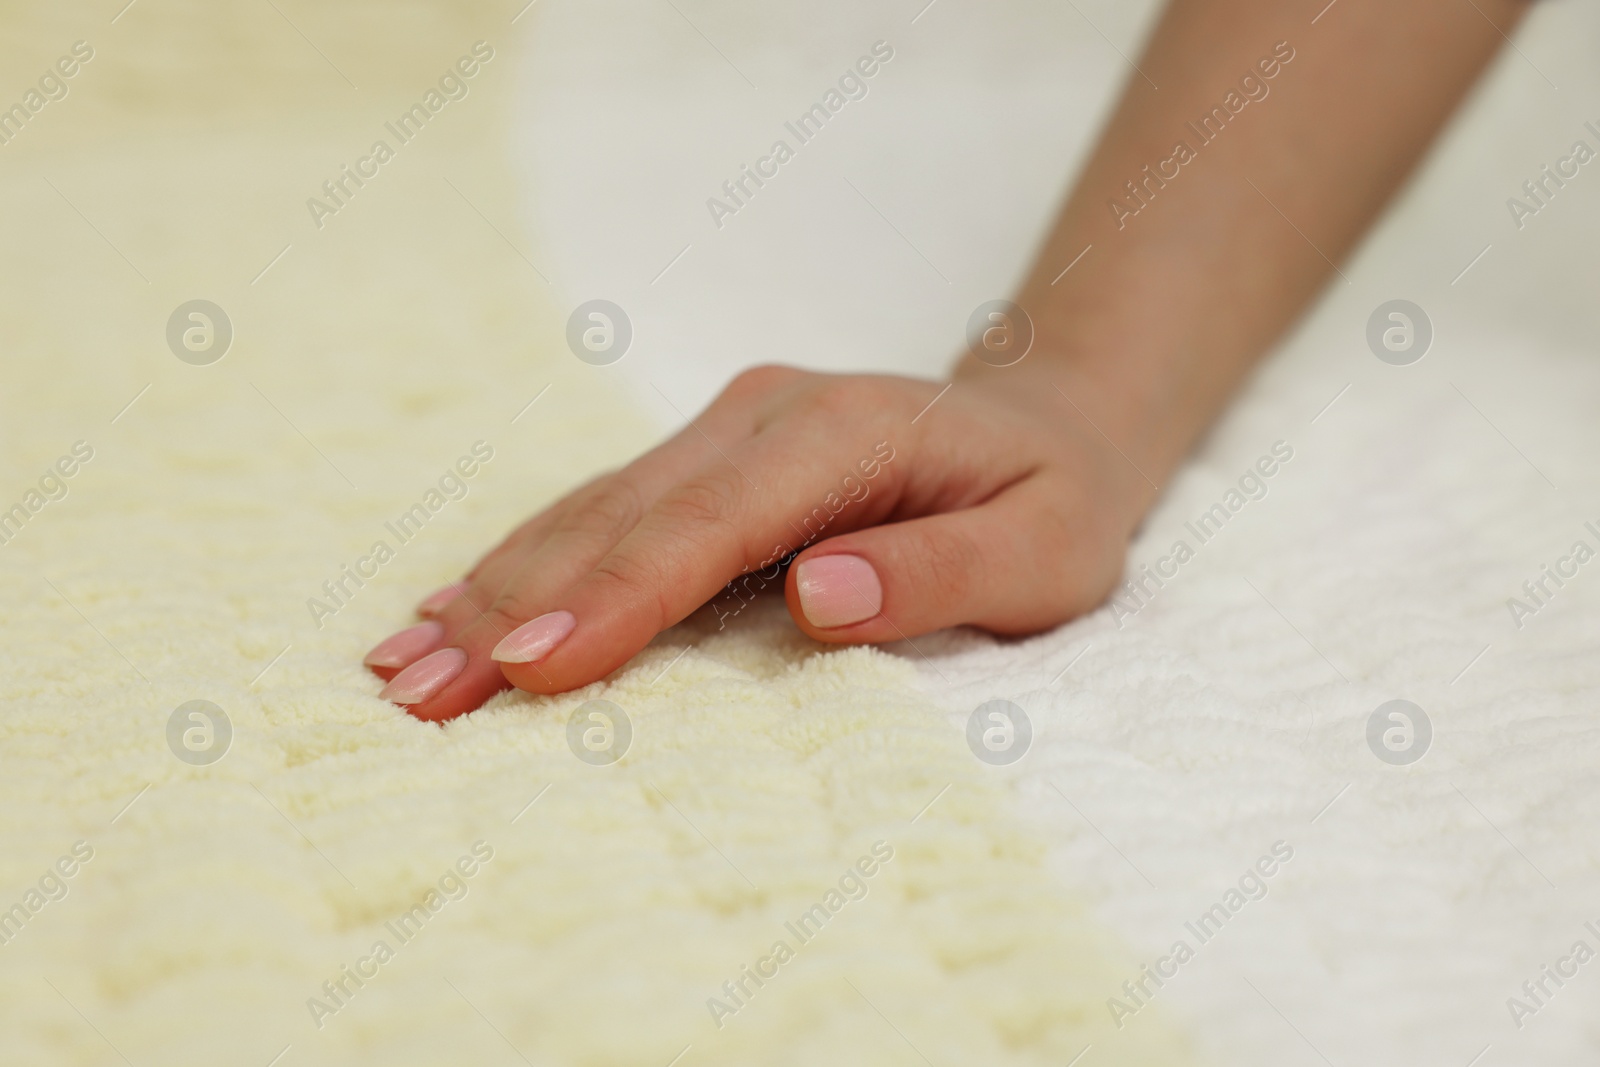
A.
pixel 995 504
pixel 1006 502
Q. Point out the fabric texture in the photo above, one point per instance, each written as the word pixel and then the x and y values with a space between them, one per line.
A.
pixel 573 913
pixel 529 905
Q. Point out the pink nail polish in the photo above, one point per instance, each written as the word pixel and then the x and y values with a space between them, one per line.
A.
pixel 535 640
pixel 425 677
pixel 838 590
pixel 406 647
pixel 436 600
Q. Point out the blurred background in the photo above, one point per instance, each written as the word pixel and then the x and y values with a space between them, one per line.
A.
pixel 930 195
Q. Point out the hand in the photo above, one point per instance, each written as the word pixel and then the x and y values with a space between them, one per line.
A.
pixel 1000 506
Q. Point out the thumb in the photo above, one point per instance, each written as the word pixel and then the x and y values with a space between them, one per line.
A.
pixel 1014 564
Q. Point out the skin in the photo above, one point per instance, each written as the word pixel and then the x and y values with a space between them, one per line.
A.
pixel 1009 504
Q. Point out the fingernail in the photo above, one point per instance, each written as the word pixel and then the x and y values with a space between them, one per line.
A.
pixel 436 600
pixel 425 677
pixel 838 590
pixel 406 647
pixel 535 640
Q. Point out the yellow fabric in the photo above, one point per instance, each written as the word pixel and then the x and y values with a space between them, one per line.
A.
pixel 179 563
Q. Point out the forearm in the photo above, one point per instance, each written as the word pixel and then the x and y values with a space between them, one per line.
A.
pixel 1219 245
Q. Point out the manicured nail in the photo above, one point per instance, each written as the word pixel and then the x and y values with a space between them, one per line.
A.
pixel 425 677
pixel 535 640
pixel 435 601
pixel 406 647
pixel 838 590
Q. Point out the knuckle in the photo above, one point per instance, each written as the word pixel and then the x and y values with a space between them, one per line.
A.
pixel 700 502
pixel 636 580
pixel 842 397
pixel 609 509
pixel 510 607
pixel 502 560
pixel 865 404
pixel 483 590
pixel 626 571
pixel 763 379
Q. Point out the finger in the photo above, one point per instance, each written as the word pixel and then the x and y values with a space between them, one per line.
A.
pixel 741 516
pixel 586 523
pixel 574 540
pixel 493 567
pixel 1009 565
pixel 399 650
pixel 444 686
pixel 610 507
pixel 484 581
pixel 435 601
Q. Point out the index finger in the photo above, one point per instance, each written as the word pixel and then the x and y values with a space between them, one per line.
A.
pixel 742 516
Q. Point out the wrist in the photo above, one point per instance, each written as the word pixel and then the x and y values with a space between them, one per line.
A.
pixel 1097 423
pixel 1133 400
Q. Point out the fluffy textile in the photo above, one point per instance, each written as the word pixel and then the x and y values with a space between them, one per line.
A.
pixel 207 905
